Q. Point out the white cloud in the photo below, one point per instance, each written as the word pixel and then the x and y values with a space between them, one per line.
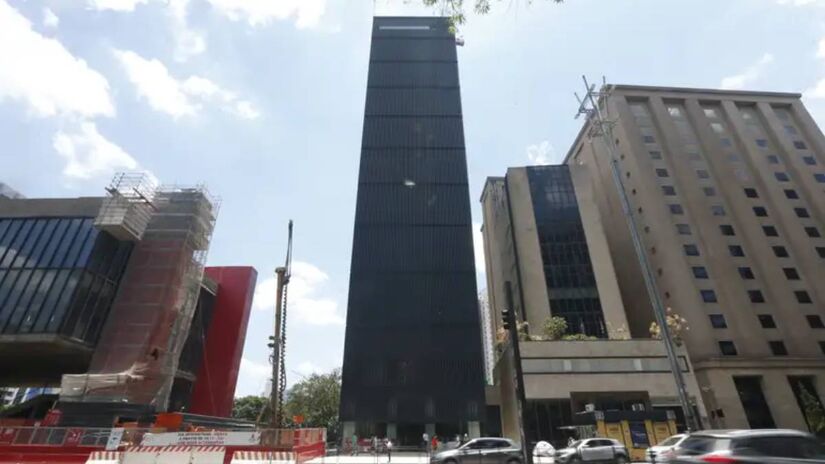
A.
pixel 253 378
pixel 88 154
pixel 40 72
pixel 307 13
pixel 800 2
pixel 750 74
pixel 188 41
pixel 245 110
pixel 49 18
pixel 307 368
pixel 115 5
pixel 478 248
pixel 303 302
pixel 543 153
pixel 177 97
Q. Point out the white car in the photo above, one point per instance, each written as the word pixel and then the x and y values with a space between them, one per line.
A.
pixel 664 450
pixel 593 450
pixel 544 449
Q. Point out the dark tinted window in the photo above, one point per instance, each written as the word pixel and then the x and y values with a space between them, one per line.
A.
pixel 780 251
pixel 661 172
pixel 760 211
pixel 736 250
pixel 778 348
pixel 709 191
pixel 790 273
pixel 756 296
pixel 791 194
pixel 727 348
pixel 812 232
pixel 676 209
pixel 780 446
pixel 801 212
pixel 766 321
pixel 746 273
pixel 815 321
pixel 668 190
pixel 751 193
pixel 770 231
pixel 727 229
pixel 717 321
pixel 691 250
pixel 683 229
pixel 809 160
pixel 781 176
pixel 708 296
pixel 700 272
pixel 802 296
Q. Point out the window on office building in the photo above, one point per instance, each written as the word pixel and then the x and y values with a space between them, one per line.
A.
pixel 778 348
pixel 801 212
pixel 683 229
pixel 815 321
pixel 802 296
pixel 761 143
pixel 717 210
pixel 753 401
pixel 791 194
pixel 791 273
pixel 773 159
pixel 648 139
pixel 756 296
pixel 809 160
pixel 751 193
pixel 662 172
pixel 727 348
pixel 822 346
pixel 780 251
pixel 781 176
pixel 655 154
pixel 820 251
pixel 708 296
pixel 812 232
pixel 736 250
pixel 746 273
pixel 766 321
pixel 819 178
pixel 676 209
pixel 691 250
pixel 717 321
pixel 770 231
pixel 668 190
pixel 702 174
pixel 760 211
pixel 727 229
pixel 709 191
pixel 700 272
pixel 804 390
pixel 800 145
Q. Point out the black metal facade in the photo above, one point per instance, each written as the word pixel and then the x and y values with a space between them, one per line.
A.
pixel 568 271
pixel 413 349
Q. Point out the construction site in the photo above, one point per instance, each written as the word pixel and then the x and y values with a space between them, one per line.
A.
pixel 143 339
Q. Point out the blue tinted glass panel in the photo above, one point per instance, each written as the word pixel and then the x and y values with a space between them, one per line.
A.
pixel 37 301
pixel 88 308
pixel 77 243
pixel 16 243
pixel 86 251
pixel 63 303
pixel 4 226
pixel 8 238
pixel 48 253
pixel 28 244
pixel 78 303
pixel 107 293
pixel 42 242
pixel 51 300
pixel 7 306
pixel 5 286
pixel 66 242
pixel 21 308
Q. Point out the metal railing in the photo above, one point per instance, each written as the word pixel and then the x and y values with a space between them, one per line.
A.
pixel 65 436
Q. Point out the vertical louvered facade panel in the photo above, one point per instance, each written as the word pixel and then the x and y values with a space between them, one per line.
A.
pixel 413 348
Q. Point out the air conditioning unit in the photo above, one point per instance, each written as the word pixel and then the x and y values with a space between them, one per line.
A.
pixel 589 407
pixel 638 407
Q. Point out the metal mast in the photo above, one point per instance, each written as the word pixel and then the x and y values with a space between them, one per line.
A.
pixel 602 127
pixel 278 341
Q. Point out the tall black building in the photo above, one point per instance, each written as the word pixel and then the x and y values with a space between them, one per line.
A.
pixel 412 358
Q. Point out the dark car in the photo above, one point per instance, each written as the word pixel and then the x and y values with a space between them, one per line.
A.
pixel 481 451
pixel 749 446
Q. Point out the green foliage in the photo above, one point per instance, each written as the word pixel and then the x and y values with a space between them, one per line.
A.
pixel 455 9
pixel 554 327
pixel 248 407
pixel 814 414
pixel 578 337
pixel 315 398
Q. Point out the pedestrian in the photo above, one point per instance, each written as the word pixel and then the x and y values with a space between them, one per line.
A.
pixel 355 444
pixel 426 439
pixel 435 443
pixel 389 450
pixel 466 438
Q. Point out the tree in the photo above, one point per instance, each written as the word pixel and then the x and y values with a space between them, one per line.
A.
pixel 316 398
pixel 555 327
pixel 455 8
pixel 248 407
pixel 814 413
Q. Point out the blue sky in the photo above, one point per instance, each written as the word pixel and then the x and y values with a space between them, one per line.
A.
pixel 262 100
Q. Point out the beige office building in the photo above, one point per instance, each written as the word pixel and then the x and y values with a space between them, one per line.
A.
pixel 728 191
pixel 543 234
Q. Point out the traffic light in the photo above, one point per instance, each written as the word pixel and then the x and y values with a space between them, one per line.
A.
pixel 505 318
pixel 271 343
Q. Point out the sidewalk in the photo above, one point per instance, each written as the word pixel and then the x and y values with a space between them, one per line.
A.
pixel 397 458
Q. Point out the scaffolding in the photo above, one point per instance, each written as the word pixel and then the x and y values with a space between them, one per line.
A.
pixel 128 207
pixel 138 353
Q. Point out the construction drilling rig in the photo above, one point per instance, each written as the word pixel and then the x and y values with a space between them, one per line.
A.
pixel 277 342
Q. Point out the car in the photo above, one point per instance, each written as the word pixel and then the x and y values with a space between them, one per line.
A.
pixel 664 450
pixel 481 451
pixel 593 450
pixel 544 449
pixel 766 446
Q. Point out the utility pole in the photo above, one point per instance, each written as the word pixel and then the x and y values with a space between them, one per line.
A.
pixel 508 317
pixel 602 128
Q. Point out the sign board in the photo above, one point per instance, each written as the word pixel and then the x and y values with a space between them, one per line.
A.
pixel 211 438
pixel 114 439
